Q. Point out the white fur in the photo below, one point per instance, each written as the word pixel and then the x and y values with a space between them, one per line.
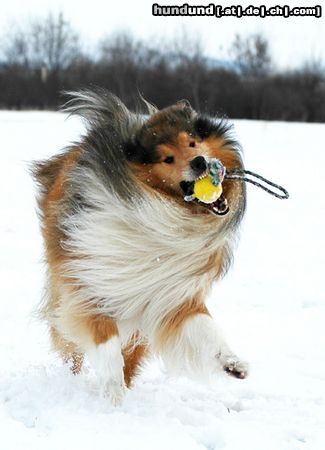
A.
pixel 107 361
pixel 140 261
pixel 199 349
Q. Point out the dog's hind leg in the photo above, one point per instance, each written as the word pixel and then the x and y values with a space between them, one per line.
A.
pixel 96 336
pixel 67 350
pixel 134 355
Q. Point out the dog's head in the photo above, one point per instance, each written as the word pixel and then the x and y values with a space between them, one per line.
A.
pixel 167 151
pixel 172 149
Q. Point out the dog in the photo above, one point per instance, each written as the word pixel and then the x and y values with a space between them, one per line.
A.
pixel 129 262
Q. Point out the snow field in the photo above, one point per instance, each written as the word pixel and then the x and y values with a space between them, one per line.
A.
pixel 270 306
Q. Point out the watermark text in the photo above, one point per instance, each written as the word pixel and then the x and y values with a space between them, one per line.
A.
pixel 236 10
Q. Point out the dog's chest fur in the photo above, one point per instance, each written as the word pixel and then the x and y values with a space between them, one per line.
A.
pixel 140 261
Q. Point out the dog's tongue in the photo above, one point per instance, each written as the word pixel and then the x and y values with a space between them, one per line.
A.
pixel 220 207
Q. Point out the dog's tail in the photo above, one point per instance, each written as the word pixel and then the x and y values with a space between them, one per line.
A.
pixel 98 107
pixel 110 127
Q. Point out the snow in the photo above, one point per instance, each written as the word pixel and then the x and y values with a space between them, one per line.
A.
pixel 271 308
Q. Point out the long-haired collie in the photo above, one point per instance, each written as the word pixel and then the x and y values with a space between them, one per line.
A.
pixel 130 263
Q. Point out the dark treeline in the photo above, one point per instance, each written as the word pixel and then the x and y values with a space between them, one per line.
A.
pixel 46 57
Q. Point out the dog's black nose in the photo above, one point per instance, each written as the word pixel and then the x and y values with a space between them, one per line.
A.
pixel 199 164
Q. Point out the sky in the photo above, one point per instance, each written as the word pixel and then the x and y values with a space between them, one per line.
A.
pixel 293 40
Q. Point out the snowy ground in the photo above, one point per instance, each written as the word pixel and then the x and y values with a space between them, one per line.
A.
pixel 271 307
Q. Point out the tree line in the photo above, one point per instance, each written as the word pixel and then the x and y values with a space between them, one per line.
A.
pixel 45 57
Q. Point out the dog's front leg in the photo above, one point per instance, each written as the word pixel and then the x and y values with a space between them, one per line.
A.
pixel 190 342
pixel 105 355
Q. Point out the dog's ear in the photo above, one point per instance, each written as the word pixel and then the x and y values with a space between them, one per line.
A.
pixel 205 126
pixel 184 104
pixel 135 152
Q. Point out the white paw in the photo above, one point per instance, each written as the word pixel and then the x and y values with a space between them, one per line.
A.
pixel 115 391
pixel 107 361
pixel 235 367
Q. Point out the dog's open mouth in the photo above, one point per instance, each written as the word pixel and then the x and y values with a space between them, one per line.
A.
pixel 219 207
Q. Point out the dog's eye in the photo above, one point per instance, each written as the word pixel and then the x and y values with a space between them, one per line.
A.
pixel 192 144
pixel 169 160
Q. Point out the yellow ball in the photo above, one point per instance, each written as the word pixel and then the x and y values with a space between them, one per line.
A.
pixel 206 191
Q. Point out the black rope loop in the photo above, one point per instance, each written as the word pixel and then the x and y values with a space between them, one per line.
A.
pixel 239 174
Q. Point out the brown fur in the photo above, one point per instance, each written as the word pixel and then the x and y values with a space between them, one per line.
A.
pixel 133 355
pixel 102 328
pixel 54 176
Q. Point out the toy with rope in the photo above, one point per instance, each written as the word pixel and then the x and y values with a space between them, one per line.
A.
pixel 208 189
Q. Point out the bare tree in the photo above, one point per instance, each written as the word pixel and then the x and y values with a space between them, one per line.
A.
pixel 188 55
pixel 126 59
pixel 252 55
pixel 120 52
pixel 42 58
pixel 51 42
pixel 16 48
pixel 54 42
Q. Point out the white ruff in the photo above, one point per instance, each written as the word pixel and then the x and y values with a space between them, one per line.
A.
pixel 138 262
